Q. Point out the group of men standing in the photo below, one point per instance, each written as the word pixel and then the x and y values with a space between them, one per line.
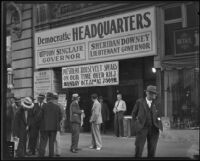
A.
pixel 42 121
pixel 34 124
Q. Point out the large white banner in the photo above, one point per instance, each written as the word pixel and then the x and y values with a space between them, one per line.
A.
pixel 101 74
pixel 123 36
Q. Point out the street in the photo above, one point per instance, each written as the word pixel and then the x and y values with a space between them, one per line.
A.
pixel 168 145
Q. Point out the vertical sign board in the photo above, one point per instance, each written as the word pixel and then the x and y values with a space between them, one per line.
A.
pixel 101 74
pixel 123 36
pixel 44 81
pixel 186 41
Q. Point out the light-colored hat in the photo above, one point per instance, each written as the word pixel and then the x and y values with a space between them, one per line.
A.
pixel 152 89
pixel 55 95
pixel 27 102
pixel 75 96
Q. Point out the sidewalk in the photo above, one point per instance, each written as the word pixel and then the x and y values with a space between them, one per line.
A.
pixel 172 143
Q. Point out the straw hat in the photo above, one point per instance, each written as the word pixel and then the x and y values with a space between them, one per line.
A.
pixel 27 103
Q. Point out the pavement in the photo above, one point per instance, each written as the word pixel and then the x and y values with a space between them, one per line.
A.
pixel 172 143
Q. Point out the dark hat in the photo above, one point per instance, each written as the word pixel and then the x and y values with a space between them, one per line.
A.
pixel 41 95
pixel 152 89
pixel 101 97
pixel 17 99
pixel 49 95
pixel 55 95
pixel 10 95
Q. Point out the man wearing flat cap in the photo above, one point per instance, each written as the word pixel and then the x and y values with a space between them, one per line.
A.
pixel 75 120
pixel 146 123
pixel 35 126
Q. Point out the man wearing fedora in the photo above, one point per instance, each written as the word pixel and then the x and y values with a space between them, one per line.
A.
pixel 146 123
pixel 50 117
pixel 22 124
pixel 75 120
pixel 35 125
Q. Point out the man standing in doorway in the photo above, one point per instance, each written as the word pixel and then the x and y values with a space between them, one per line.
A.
pixel 96 120
pixel 146 123
pixel 75 120
pixel 105 114
pixel 119 109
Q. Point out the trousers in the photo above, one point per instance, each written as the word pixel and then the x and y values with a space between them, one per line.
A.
pixel 151 134
pixel 118 124
pixel 96 135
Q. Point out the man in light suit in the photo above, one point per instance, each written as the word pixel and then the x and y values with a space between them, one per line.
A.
pixel 75 120
pixel 146 123
pixel 96 120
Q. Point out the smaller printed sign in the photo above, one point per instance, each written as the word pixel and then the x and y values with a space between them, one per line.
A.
pixel 101 74
pixel 186 41
pixel 62 100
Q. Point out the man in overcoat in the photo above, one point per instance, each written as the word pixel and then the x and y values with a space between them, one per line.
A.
pixel 22 124
pixel 50 117
pixel 75 120
pixel 146 123
pixel 35 125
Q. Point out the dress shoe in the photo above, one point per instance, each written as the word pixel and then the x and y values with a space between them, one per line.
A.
pixel 98 148
pixel 74 151
pixel 92 147
pixel 78 149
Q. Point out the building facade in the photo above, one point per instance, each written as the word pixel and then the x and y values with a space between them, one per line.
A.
pixel 109 48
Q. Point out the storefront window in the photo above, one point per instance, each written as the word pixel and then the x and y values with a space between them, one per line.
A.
pixel 192 16
pixel 183 93
pixel 169 38
pixel 172 13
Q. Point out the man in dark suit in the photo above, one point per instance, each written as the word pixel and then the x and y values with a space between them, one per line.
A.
pixel 22 124
pixel 146 123
pixel 50 117
pixel 35 125
pixel 75 120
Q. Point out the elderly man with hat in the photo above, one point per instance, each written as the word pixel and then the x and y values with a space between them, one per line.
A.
pixel 146 123
pixel 22 124
pixel 50 117
pixel 75 119
pixel 35 125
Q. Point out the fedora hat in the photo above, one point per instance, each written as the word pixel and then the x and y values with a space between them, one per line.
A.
pixel 49 95
pixel 17 99
pixel 75 96
pixel 27 102
pixel 41 95
pixel 55 95
pixel 152 89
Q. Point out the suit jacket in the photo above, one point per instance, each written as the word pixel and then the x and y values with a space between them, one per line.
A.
pixel 36 111
pixel 139 115
pixel 96 116
pixel 75 113
pixel 20 123
pixel 50 117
